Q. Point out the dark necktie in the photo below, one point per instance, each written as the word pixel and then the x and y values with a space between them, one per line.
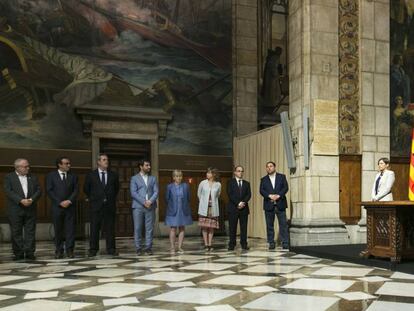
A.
pixel 103 180
pixel 64 177
pixel 240 186
pixel 377 183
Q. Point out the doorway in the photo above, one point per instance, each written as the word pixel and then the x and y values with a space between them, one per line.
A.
pixel 124 155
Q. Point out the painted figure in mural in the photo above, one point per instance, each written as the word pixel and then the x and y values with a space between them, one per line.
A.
pixel 402 120
pixel 208 208
pixel 400 81
pixel 101 188
pixel 144 193
pixel 22 190
pixel 239 194
pixel 399 24
pixel 178 215
pixel 273 188
pixel 62 188
pixel 271 90
pixel 384 180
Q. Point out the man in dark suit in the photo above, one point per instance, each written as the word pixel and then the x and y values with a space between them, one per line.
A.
pixel 62 189
pixel 22 191
pixel 101 187
pixel 273 188
pixel 239 193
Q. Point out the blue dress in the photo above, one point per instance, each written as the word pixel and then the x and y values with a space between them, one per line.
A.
pixel 178 209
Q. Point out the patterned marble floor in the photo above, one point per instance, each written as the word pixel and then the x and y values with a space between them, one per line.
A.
pixel 215 281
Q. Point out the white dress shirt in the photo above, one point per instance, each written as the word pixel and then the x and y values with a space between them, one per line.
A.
pixel 23 182
pixel 239 182
pixel 61 176
pixel 273 179
pixel 145 178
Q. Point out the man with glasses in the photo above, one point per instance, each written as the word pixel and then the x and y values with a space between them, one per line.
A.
pixel 62 189
pixel 239 193
pixel 22 191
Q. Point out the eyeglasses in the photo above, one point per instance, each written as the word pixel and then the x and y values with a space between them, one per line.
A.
pixel 239 171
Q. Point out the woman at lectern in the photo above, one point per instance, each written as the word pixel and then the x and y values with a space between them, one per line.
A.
pixel 384 180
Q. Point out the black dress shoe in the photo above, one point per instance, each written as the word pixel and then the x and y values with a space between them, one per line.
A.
pixel 245 248
pixel 231 248
pixel 112 253
pixel 18 257
pixel 70 254
pixel 148 251
pixel 58 255
pixel 30 256
pixel 285 247
pixel 272 246
pixel 91 254
pixel 139 252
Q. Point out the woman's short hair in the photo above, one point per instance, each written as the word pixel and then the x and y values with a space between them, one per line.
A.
pixel 177 173
pixel 385 160
pixel 214 172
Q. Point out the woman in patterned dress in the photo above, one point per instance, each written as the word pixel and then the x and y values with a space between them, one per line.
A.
pixel 208 208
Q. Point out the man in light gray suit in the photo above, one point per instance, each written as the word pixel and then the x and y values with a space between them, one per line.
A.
pixel 144 193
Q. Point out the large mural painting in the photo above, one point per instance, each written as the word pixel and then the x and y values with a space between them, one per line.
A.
pixel 402 76
pixel 57 55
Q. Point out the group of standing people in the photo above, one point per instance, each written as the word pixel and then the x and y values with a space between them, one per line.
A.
pixel 101 188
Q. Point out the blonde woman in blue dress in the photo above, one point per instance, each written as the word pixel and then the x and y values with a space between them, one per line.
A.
pixel 178 210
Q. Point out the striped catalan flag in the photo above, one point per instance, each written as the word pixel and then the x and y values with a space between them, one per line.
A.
pixel 411 181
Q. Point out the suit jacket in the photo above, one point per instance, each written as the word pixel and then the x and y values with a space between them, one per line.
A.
pixel 59 191
pixel 139 191
pixel 236 196
pixel 384 187
pixel 14 191
pixel 97 193
pixel 172 199
pixel 281 188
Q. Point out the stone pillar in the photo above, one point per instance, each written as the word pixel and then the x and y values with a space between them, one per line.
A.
pixel 375 97
pixel 313 74
pixel 245 69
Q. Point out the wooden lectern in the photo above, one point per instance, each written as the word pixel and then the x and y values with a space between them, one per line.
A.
pixel 390 230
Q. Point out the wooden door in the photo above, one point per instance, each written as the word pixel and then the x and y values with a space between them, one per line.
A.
pixel 350 188
pixel 123 158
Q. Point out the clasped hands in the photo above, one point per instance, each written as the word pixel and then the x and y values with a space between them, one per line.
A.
pixel 241 205
pixel 26 202
pixel 147 203
pixel 65 204
pixel 274 197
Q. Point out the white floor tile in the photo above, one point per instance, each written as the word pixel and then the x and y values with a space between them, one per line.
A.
pixel 373 279
pixel 195 295
pixel 403 276
pixel 346 264
pixel 208 266
pixel 396 289
pixel 261 289
pixel 181 284
pixel 281 302
pixel 49 305
pixel 9 278
pixel 239 280
pixel 320 284
pixel 161 269
pixel 110 280
pixel 130 308
pixel 110 272
pixel 277 269
pixel 119 301
pixel 55 269
pixel 263 254
pixel 62 263
pixel 169 276
pixel 215 308
pixel 17 265
pixel 154 264
pixel 355 296
pixel 115 290
pixel 239 259
pixel 390 306
pixel 223 272
pixel 343 271
pixel 41 295
pixel 186 257
pixel 296 261
pixel 51 275
pixel 294 275
pixel 44 285
pixel 106 266
pixel 5 297
pixel 108 261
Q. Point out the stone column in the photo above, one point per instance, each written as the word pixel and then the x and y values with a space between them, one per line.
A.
pixel 245 69
pixel 375 97
pixel 313 74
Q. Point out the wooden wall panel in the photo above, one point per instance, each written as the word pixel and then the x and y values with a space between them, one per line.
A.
pixel 401 168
